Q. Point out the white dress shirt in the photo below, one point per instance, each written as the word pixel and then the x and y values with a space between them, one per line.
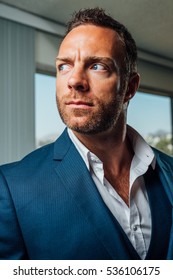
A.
pixel 135 219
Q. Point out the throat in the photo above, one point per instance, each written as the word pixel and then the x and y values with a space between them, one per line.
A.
pixel 120 183
pixel 117 171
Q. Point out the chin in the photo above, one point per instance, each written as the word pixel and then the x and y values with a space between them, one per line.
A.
pixel 77 122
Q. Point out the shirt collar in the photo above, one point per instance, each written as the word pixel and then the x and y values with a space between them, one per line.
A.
pixel 142 151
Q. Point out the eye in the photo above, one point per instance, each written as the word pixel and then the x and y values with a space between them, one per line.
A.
pixel 63 67
pixel 98 67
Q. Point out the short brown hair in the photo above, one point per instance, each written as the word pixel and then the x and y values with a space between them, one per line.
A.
pixel 98 17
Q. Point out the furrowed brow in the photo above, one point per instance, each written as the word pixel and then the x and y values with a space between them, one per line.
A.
pixel 91 59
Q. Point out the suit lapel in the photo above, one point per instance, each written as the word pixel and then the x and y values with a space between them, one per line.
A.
pixel 161 215
pixel 166 174
pixel 86 196
pixel 165 171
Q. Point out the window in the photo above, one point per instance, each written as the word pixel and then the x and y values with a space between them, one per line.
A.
pixel 150 115
pixel 48 124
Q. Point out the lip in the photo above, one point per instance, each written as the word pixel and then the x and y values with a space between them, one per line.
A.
pixel 79 104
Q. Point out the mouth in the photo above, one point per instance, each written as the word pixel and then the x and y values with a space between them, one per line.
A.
pixel 79 104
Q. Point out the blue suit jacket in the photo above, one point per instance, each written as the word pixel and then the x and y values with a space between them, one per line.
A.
pixel 50 208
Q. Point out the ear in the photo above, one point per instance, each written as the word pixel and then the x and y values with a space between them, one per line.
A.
pixel 132 86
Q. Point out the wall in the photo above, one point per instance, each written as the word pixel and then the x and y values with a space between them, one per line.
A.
pixel 17 68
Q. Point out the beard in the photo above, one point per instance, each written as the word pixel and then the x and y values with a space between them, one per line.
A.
pixel 100 120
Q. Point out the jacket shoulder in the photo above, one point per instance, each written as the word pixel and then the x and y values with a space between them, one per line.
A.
pixel 31 161
pixel 163 157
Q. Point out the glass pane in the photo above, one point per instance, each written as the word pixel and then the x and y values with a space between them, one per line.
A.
pixel 48 124
pixel 150 115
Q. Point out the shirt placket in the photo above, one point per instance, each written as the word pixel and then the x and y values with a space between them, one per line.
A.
pixel 136 230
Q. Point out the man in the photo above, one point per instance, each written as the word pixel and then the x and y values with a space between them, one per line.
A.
pixel 99 191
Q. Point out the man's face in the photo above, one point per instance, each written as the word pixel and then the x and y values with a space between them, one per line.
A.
pixel 90 82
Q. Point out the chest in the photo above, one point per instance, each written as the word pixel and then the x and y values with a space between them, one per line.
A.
pixel 120 183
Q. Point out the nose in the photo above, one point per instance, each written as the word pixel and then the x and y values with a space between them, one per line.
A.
pixel 78 80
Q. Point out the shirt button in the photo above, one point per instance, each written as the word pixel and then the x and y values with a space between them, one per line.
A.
pixel 135 228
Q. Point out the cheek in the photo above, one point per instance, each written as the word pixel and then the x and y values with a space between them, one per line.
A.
pixel 105 90
pixel 60 87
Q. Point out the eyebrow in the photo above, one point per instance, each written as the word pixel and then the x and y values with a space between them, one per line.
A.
pixel 92 59
pixel 63 59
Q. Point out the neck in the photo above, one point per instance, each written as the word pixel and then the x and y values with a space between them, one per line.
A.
pixel 111 147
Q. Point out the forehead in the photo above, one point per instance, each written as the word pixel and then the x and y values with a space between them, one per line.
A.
pixel 91 40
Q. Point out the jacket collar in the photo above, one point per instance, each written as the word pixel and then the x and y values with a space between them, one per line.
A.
pixel 62 145
pixel 164 162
